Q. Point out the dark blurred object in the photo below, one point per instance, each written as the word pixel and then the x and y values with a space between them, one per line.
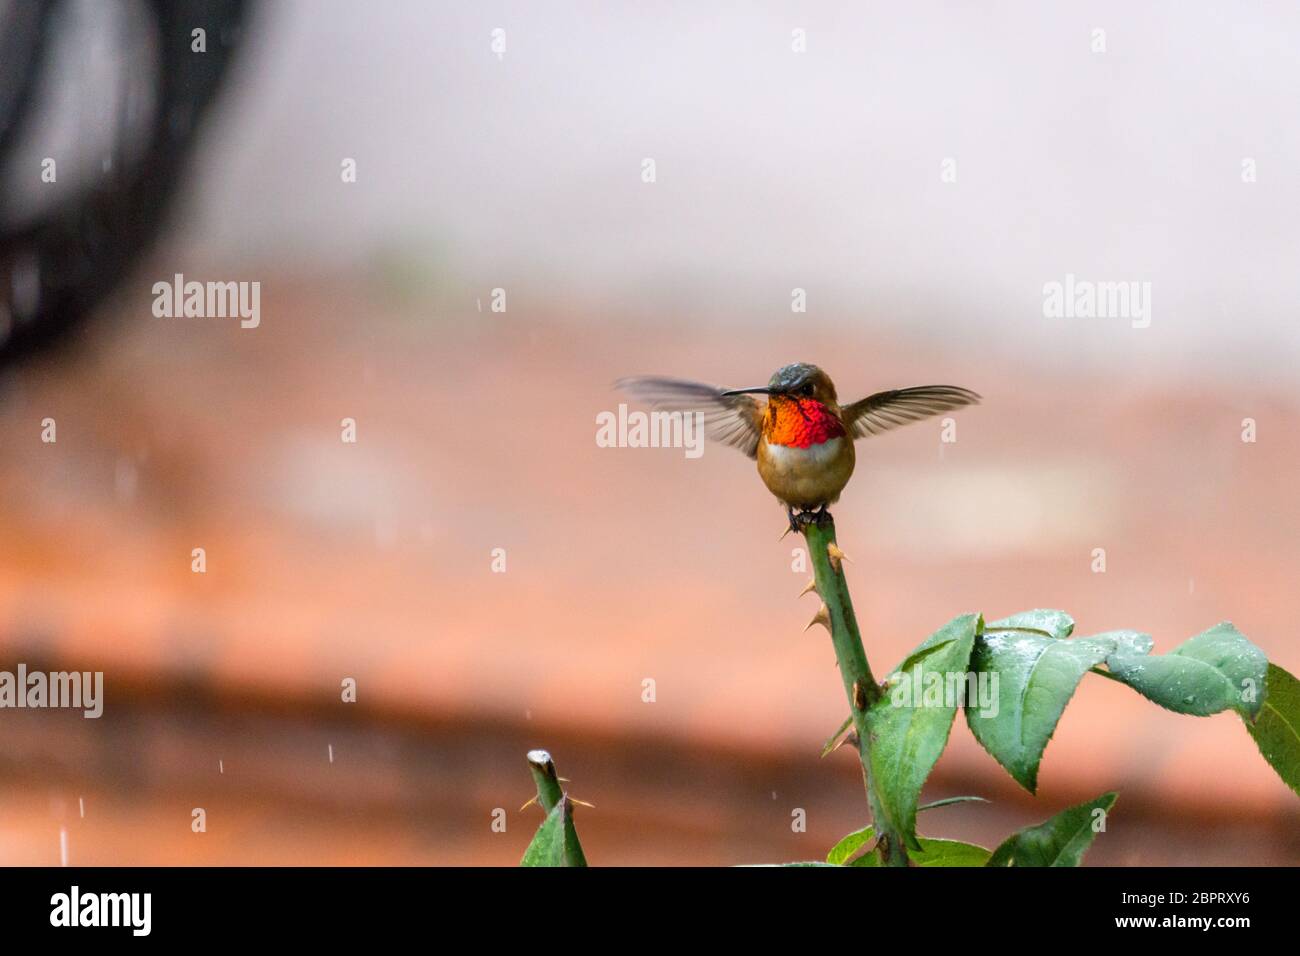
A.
pixel 60 258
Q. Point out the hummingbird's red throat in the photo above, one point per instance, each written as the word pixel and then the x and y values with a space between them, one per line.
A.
pixel 799 422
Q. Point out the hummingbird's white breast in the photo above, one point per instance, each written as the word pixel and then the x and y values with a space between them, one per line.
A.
pixel 809 477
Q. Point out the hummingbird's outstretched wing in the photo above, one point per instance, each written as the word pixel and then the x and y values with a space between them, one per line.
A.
pixel 735 420
pixel 885 410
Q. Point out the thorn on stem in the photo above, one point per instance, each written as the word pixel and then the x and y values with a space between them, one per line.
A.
pixel 810 586
pixel 849 740
pixel 822 617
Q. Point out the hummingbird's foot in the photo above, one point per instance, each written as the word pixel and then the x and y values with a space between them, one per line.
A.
pixel 806 517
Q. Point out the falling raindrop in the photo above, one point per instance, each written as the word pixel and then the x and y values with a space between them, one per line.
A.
pixel 63 846
pixel 221 766
pixel 331 753
pixel 81 803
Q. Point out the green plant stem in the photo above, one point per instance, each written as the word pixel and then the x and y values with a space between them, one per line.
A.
pixel 859 685
pixel 550 795
pixel 549 792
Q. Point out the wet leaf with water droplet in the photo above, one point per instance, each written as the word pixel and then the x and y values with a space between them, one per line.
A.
pixel 1023 682
pixel 1214 671
pixel 1049 622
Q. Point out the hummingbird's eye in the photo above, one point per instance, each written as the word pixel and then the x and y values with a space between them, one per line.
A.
pixel 807 389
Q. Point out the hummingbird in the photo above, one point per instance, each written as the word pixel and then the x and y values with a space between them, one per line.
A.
pixel 795 428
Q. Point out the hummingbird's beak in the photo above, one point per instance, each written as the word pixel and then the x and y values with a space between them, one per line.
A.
pixel 756 390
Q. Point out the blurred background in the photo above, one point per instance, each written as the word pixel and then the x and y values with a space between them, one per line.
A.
pixel 919 171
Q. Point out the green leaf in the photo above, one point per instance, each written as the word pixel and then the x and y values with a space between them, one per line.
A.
pixel 1033 677
pixel 547 848
pixel 909 725
pixel 1127 642
pixel 1277 727
pixel 936 853
pixel 764 866
pixel 1050 623
pixel 1060 841
pixel 556 841
pixel 806 863
pixel 850 844
pixel 854 841
pixel 1214 671
pixel 950 853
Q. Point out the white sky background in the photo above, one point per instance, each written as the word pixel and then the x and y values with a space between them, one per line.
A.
pixel 776 170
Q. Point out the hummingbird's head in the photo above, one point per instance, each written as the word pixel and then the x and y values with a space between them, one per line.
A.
pixel 802 380
pixel 799 380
